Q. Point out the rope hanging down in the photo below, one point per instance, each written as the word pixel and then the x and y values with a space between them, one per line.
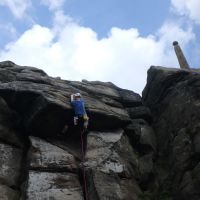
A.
pixel 83 168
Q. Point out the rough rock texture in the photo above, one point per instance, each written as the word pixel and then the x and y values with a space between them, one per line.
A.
pixel 39 163
pixel 46 185
pixel 50 173
pixel 43 155
pixel 8 194
pixel 137 148
pixel 10 164
pixel 41 99
pixel 174 100
pixel 112 166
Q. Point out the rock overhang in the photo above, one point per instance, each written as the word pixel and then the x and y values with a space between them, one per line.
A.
pixel 44 102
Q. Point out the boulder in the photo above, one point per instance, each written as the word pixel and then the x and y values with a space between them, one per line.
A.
pixel 101 89
pixel 112 167
pixel 142 136
pixel 10 165
pixel 172 95
pixel 45 156
pixel 104 186
pixel 46 185
pixel 140 112
pixel 160 81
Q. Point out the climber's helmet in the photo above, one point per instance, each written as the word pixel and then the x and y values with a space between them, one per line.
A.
pixel 77 95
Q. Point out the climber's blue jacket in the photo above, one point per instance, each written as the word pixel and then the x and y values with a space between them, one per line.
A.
pixel 79 107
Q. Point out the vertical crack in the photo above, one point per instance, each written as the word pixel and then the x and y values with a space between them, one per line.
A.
pixel 24 168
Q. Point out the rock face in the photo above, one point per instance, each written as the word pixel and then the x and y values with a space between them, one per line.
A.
pixel 38 163
pixel 110 161
pixel 137 148
pixel 174 100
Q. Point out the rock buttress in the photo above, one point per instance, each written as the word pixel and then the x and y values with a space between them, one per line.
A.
pixel 36 163
pixel 173 96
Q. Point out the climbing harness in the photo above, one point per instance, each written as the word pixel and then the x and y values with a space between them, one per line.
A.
pixel 83 167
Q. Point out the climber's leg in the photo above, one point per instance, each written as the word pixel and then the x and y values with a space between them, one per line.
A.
pixel 80 123
pixel 82 130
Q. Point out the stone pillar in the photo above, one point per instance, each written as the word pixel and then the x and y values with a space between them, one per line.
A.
pixel 181 58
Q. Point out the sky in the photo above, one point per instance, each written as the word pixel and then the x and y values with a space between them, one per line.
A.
pixel 105 40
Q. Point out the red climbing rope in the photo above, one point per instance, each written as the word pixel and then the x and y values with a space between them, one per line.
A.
pixel 83 168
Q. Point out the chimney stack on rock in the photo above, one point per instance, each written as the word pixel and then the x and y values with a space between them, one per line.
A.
pixel 181 58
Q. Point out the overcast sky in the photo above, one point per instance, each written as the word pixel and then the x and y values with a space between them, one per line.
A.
pixel 106 40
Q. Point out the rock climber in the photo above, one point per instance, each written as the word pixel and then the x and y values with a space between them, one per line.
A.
pixel 81 122
pixel 80 119
pixel 80 115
